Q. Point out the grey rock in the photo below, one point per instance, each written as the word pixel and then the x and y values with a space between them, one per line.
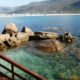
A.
pixel 46 35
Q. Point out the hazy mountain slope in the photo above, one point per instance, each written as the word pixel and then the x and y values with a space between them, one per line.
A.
pixel 73 7
pixel 4 9
pixel 47 6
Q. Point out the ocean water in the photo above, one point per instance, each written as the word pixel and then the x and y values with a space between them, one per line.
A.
pixel 63 65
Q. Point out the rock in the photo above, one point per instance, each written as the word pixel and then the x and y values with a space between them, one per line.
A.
pixel 4 37
pixel 58 28
pixel 22 36
pixel 74 77
pixel 49 45
pixel 46 35
pixel 2 46
pixel 28 31
pixel 10 28
pixel 12 42
pixel 77 56
pixel 61 76
pixel 4 78
pixel 67 37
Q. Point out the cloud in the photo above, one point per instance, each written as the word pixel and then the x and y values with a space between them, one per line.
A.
pixel 9 3
pixel 26 0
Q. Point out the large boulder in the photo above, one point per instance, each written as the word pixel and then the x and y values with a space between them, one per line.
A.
pixel 67 37
pixel 28 31
pixel 22 36
pixel 2 46
pixel 4 37
pixel 12 42
pixel 49 45
pixel 10 28
pixel 46 35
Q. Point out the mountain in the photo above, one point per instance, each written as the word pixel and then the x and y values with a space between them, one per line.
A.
pixel 4 9
pixel 73 7
pixel 48 6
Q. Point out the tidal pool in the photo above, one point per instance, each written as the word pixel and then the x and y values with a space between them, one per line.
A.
pixel 64 65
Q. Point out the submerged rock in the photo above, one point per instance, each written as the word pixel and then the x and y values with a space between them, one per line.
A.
pixel 28 31
pixel 74 77
pixel 67 37
pixel 61 76
pixel 46 35
pixel 49 45
pixel 4 78
pixel 58 28
pixel 10 28
pixel 77 56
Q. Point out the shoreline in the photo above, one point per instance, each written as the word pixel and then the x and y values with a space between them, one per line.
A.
pixel 19 15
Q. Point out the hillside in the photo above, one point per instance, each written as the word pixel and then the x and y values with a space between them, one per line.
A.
pixel 48 6
pixel 5 9
pixel 73 7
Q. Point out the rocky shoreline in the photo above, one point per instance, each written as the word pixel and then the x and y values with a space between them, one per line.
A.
pixel 48 41
pixel 28 14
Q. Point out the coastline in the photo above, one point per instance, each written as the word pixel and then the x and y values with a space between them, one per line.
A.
pixel 19 15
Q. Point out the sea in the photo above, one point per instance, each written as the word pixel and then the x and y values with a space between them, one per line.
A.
pixel 64 65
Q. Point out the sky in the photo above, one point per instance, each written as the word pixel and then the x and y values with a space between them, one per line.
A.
pixel 14 3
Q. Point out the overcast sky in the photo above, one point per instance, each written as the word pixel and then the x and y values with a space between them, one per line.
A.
pixel 13 3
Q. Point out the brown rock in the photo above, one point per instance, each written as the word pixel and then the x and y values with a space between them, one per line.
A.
pixel 4 37
pixel 12 42
pixel 58 28
pixel 22 36
pixel 10 28
pixel 74 77
pixel 2 46
pixel 4 78
pixel 49 45
pixel 67 37
pixel 28 31
pixel 46 35
pixel 77 56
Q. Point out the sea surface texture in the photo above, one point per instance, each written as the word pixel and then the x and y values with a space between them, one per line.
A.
pixel 63 65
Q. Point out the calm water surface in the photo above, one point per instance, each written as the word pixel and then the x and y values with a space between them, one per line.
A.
pixel 49 65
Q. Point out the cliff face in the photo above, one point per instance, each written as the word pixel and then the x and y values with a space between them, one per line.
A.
pixel 47 6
